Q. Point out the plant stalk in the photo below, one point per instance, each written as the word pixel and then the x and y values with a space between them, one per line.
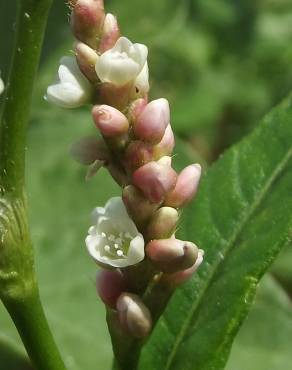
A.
pixel 30 27
pixel 30 321
pixel 18 288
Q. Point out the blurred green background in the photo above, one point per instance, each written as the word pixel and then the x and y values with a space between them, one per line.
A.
pixel 222 64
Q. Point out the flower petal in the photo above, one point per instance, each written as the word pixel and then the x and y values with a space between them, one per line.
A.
pixel 122 63
pixel 66 95
pixel 142 80
pixel 122 44
pixel 73 89
pixel 139 53
pixel 115 69
pixel 136 251
pixel 115 208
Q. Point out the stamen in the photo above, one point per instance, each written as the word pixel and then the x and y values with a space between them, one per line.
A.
pixel 103 234
pixel 116 246
pixel 120 253
pixel 107 248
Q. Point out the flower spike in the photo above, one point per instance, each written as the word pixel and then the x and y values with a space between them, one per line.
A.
pixel 132 238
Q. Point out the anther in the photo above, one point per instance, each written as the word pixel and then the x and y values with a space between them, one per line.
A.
pixel 107 248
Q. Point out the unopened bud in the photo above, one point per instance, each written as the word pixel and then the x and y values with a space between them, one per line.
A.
pixel 151 123
pixel 136 108
pixel 163 223
pixel 172 255
pixel 166 145
pixel 109 285
pixel 110 121
pixel 133 315
pixel 180 277
pixel 155 180
pixel 86 59
pixel 139 208
pixel 110 33
pixel 185 188
pixel 137 154
pixel 87 20
pixel 89 149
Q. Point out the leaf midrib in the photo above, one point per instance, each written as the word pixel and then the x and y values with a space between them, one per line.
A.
pixel 258 200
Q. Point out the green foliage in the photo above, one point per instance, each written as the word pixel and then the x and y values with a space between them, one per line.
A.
pixel 222 64
pixel 242 217
pixel 264 340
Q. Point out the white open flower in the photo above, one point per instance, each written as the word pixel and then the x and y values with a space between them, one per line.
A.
pixel 123 63
pixel 73 89
pixel 1 86
pixel 114 239
pixel 142 80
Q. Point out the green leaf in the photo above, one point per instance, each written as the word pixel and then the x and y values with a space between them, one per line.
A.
pixel 264 341
pixel 242 218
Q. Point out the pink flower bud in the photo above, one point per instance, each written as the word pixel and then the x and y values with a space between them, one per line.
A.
pixel 151 123
pixel 134 316
pixel 89 149
pixel 137 154
pixel 155 180
pixel 182 276
pixel 86 59
pixel 136 108
pixel 166 145
pixel 110 121
pixel 163 223
pixel 109 285
pixel 110 33
pixel 185 188
pixel 87 19
pixel 139 208
pixel 172 255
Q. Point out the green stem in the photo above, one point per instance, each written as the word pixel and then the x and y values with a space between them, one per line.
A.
pixel 18 288
pixel 29 318
pixel 30 28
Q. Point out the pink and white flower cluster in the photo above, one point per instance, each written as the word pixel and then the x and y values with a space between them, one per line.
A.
pixel 136 145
